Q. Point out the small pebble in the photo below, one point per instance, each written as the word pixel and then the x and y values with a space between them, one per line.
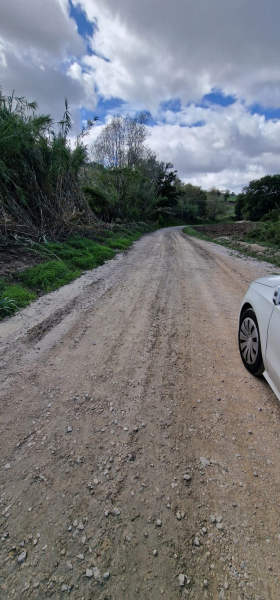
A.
pixel 106 575
pixel 212 519
pixel 219 519
pixel 96 573
pixel 204 530
pixel 181 579
pixel 155 552
pixel 22 557
pixel 159 523
pixel 69 429
pixel 89 573
pixel 196 541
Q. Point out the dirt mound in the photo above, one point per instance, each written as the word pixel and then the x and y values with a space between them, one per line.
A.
pixel 226 229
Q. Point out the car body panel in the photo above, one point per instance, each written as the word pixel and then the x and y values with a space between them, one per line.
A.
pixel 272 281
pixel 272 356
pixel 273 387
pixel 260 298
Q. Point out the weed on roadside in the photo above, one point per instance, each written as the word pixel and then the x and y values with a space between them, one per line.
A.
pixel 12 298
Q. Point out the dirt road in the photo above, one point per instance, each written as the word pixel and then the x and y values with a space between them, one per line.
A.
pixel 135 447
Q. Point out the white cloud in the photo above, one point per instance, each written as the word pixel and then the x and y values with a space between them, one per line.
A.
pixel 38 41
pixel 159 50
pixel 39 28
pixel 230 148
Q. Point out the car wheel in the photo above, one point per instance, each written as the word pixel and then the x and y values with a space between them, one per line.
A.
pixel 250 343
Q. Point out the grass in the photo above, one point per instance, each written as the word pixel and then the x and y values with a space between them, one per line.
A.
pixel 48 276
pixel 13 297
pixel 65 261
pixel 188 230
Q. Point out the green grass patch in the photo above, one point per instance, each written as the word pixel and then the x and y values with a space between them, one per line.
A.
pixel 48 277
pixel 81 253
pixel 13 297
pixel 120 243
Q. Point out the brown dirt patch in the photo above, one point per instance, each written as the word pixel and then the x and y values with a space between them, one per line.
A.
pixel 226 229
pixel 16 259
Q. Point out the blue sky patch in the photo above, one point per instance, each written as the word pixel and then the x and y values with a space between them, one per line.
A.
pixel 217 97
pixel 174 105
pixel 197 124
pixel 85 27
pixel 104 107
pixel 268 113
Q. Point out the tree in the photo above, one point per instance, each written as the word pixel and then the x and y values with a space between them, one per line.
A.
pixel 216 206
pixel 214 192
pixel 226 194
pixel 258 198
pixel 194 196
pixel 121 143
pixel 166 191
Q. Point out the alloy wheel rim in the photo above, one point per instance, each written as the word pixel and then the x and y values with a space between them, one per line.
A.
pixel 249 340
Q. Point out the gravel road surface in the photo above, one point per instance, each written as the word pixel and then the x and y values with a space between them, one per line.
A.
pixel 138 458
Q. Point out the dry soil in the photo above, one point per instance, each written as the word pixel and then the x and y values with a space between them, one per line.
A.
pixel 135 448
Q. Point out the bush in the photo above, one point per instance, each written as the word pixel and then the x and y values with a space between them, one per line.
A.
pixel 40 189
pixel 266 232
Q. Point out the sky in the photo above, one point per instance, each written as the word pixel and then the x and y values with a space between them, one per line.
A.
pixel 208 71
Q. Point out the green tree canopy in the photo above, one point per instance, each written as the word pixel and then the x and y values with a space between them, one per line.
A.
pixel 258 198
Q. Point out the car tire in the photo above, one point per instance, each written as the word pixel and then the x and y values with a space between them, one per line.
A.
pixel 250 343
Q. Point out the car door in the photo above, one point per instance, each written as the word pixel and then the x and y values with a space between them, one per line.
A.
pixel 273 343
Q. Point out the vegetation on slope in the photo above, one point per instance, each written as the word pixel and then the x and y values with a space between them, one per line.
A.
pixel 40 192
pixel 65 261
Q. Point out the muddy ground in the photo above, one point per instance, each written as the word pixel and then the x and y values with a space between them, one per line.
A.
pixel 135 448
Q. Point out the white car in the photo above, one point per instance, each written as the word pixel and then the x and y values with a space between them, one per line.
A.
pixel 259 330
